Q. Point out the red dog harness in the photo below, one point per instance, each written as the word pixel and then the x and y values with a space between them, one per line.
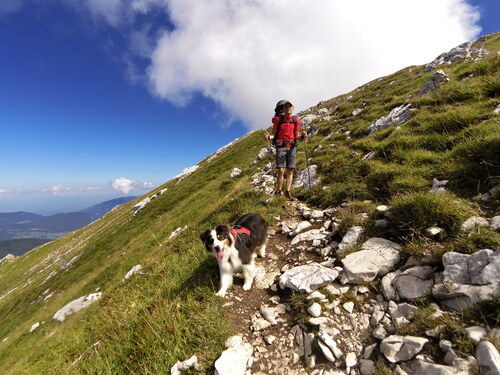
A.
pixel 235 231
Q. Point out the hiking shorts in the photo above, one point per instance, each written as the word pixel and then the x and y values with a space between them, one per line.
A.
pixel 285 157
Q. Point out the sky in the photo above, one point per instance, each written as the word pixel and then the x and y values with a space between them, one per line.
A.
pixel 108 98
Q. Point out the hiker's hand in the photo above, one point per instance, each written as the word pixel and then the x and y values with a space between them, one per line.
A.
pixel 303 135
pixel 267 136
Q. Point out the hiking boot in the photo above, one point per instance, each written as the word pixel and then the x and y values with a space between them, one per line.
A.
pixel 290 197
pixel 278 193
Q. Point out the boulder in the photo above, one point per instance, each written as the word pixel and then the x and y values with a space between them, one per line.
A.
pixel 76 305
pixel 437 79
pixel 350 238
pixel 474 222
pixel 377 257
pixel 401 348
pixel 488 357
pixel 234 360
pixel 307 177
pixel 414 282
pixel 397 116
pixel 307 278
pixel 468 279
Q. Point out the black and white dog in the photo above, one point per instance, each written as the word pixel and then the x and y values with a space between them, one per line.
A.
pixel 236 247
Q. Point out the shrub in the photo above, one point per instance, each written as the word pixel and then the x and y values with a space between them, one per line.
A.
pixel 414 212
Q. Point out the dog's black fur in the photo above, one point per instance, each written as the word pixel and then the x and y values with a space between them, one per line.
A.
pixel 237 250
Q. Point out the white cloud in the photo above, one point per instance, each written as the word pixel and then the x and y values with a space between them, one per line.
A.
pixel 247 55
pixel 126 185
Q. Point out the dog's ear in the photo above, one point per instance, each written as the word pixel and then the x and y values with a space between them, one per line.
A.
pixel 205 235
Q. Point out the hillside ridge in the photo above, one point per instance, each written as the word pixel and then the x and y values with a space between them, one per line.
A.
pixel 134 291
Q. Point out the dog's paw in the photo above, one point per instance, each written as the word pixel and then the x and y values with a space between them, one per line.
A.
pixel 221 293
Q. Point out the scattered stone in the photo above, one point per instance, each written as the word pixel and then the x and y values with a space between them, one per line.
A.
pixel 488 357
pixel 476 334
pixel 235 172
pixel 438 186
pixel 437 79
pixel 401 348
pixel 458 53
pixel 397 116
pixel 234 360
pixel 34 326
pixel 307 278
pixel 185 365
pixel 474 222
pixel 414 282
pixel 468 279
pixel 350 238
pixel 136 269
pixel 495 224
pixel 376 258
pixel 314 310
pixel 76 305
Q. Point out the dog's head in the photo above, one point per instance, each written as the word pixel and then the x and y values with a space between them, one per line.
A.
pixel 217 240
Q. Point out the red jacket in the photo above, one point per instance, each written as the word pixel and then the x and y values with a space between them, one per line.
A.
pixel 287 129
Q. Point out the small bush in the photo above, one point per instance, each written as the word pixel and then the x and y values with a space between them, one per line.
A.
pixel 414 212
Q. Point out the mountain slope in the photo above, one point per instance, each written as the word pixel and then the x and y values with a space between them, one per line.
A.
pixel 169 312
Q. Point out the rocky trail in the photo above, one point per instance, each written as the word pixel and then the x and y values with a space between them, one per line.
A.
pixel 307 314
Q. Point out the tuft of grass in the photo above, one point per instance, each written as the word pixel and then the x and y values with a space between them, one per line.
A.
pixel 412 213
pixel 476 239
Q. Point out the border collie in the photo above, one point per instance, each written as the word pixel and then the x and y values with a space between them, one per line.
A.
pixel 235 248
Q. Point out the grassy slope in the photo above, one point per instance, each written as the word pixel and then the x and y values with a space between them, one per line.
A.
pixel 146 324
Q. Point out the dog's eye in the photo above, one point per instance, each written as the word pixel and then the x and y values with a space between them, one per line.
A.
pixel 221 237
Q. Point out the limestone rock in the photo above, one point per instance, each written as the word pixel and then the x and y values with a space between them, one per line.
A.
pixel 233 361
pixel 76 305
pixel 397 116
pixel 350 238
pixel 438 79
pixel 414 282
pixel 307 278
pixel 402 348
pixel 488 357
pixel 376 258
pixel 468 279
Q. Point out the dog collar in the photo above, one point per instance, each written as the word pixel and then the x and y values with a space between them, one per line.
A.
pixel 234 231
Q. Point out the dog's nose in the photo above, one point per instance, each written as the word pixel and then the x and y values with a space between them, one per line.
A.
pixel 217 248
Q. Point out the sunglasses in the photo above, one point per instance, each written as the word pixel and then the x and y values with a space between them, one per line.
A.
pixel 288 106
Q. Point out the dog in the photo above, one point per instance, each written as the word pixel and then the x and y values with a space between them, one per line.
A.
pixel 236 247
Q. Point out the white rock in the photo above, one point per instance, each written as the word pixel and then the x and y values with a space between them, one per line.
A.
pixel 303 225
pixel 476 334
pixel 401 348
pixel 314 310
pixel 307 278
pixel 234 360
pixel 350 238
pixel 474 222
pixel 488 357
pixel 185 365
pixel 351 360
pixel 76 305
pixel 348 306
pixel 34 326
pixel 136 269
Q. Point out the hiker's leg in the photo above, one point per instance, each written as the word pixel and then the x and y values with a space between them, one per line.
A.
pixel 281 174
pixel 289 178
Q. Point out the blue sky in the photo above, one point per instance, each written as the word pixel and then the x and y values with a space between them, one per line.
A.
pixel 105 98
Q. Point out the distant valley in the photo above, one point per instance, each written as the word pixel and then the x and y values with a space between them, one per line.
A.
pixel 23 231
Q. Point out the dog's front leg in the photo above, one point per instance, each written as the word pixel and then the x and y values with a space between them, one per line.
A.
pixel 249 275
pixel 226 278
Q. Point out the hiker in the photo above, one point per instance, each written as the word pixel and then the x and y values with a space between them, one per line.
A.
pixel 286 129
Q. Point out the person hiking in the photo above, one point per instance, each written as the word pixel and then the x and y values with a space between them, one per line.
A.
pixel 286 130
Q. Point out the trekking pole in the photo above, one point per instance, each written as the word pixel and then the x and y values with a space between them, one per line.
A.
pixel 269 148
pixel 307 163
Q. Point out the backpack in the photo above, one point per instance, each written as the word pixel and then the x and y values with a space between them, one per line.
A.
pixel 277 142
